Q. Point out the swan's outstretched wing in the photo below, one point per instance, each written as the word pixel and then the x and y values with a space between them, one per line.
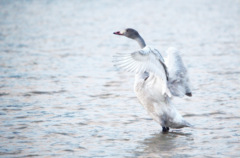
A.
pixel 144 60
pixel 178 82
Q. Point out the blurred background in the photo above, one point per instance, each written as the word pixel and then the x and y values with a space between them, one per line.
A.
pixel 60 95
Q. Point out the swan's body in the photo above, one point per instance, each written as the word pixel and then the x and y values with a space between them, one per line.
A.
pixel 156 80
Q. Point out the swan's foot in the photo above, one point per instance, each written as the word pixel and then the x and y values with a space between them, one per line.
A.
pixel 189 94
pixel 165 129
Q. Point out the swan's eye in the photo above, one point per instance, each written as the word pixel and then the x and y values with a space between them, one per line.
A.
pixel 127 30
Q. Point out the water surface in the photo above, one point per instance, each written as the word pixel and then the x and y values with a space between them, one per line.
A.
pixel 60 95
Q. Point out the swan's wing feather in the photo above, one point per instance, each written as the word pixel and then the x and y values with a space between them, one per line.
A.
pixel 146 59
pixel 161 60
pixel 178 82
pixel 140 61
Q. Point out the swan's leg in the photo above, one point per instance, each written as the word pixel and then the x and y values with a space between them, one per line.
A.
pixel 165 129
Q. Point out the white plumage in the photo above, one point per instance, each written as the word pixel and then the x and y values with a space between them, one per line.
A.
pixel 156 81
pixel 142 61
pixel 178 77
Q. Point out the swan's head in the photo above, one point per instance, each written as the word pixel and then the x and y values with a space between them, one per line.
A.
pixel 130 33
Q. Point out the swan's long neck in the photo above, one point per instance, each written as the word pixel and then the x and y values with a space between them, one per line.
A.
pixel 140 41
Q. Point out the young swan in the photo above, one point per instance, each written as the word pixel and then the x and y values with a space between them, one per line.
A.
pixel 156 81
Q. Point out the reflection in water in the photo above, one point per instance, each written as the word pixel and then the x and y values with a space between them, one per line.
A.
pixel 165 144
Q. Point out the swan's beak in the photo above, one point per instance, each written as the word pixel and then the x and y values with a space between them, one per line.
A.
pixel 118 33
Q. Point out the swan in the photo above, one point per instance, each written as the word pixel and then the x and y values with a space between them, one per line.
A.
pixel 157 80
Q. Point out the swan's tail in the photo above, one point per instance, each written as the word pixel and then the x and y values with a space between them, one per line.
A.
pixel 187 124
pixel 181 125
